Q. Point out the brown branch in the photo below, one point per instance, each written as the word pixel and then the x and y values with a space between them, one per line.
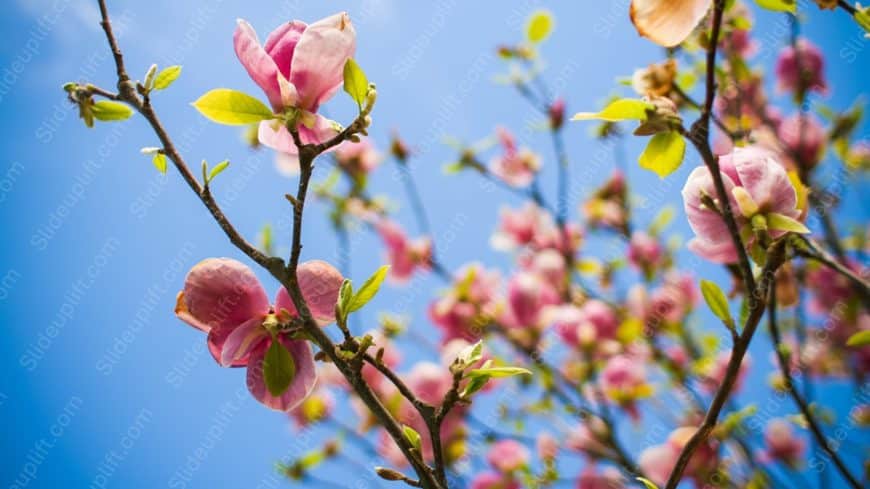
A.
pixel 758 300
pixel 351 371
pixel 815 429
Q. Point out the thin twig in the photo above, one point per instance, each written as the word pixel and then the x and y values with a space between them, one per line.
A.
pixel 802 404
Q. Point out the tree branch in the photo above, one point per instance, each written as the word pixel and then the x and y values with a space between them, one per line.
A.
pixel 815 429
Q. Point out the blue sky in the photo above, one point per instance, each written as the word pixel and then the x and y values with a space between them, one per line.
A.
pixel 100 385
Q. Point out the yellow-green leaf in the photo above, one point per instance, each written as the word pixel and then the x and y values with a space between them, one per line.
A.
pixel 159 161
pixel 166 77
pixel 539 26
pixel 412 436
pixel 232 107
pixel 618 110
pixel 780 222
pixel 789 6
pixel 859 339
pixel 355 82
pixel 648 484
pixel 716 301
pixel 664 153
pixel 368 289
pixel 279 369
pixel 217 170
pixel 498 372
pixel 107 110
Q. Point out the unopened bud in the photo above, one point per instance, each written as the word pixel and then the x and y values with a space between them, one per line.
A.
pixel 149 77
pixel 389 474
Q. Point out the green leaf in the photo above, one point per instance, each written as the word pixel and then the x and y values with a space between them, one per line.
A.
pixel 859 339
pixel 412 436
pixel 107 110
pixel 716 301
pixel 217 170
pixel 474 385
pixel 279 369
pixel 498 372
pixel 647 483
pixel 231 107
pixel 780 222
pixel 664 153
pixel 368 289
pixel 166 77
pixel 662 219
pixel 159 161
pixel 862 17
pixel 618 110
pixel 789 6
pixel 467 357
pixel 539 26
pixel 355 82
pixel 345 294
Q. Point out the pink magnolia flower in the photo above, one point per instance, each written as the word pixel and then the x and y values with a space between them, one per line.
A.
pixel 493 480
pixel 528 295
pixel 547 446
pixel 804 137
pixel 300 66
pixel 405 255
pixel 801 69
pixel 507 455
pixel 515 166
pixel 594 321
pixel 549 264
pixel 607 478
pixel 475 295
pixel 782 444
pixel 606 208
pixel 624 381
pixel 644 251
pixel 667 22
pixel 751 173
pixel 357 158
pixel 223 298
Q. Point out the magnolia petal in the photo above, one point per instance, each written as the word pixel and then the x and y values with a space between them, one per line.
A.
pixel 319 58
pixel 221 293
pixel 766 180
pixel 300 387
pixel 239 343
pixel 703 221
pixel 281 44
pixel 667 22
pixel 718 251
pixel 320 283
pixel 277 137
pixel 259 65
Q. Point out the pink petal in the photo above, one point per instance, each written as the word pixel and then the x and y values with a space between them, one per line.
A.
pixel 320 283
pixel 260 66
pixel 281 44
pixel 239 343
pixel 318 62
pixel 667 22
pixel 280 139
pixel 301 385
pixel 718 251
pixel 221 293
pixel 706 223
pixel 766 180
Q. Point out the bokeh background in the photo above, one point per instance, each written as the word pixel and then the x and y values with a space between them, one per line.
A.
pixel 100 384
